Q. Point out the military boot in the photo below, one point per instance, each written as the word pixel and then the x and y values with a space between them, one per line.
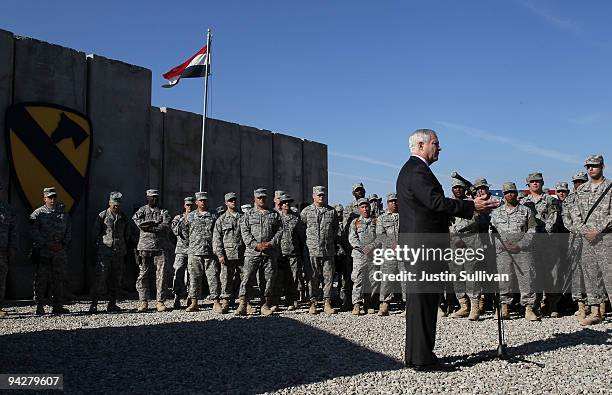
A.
pixel 3 313
pixel 193 306
pixel 143 306
pixel 250 309
pixel 582 311
pixel 177 302
pixel 224 306
pixel 161 307
pixel 217 306
pixel 112 307
pixel 356 309
pixel 505 311
pixel 59 309
pixel 93 307
pixel 593 318
pixel 464 310
pixel 40 309
pixel 327 308
pixel 530 315
pixel 266 309
pixel 384 309
pixel 474 310
pixel 242 308
pixel 313 308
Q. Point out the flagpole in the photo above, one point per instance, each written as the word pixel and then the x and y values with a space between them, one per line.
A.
pixel 204 115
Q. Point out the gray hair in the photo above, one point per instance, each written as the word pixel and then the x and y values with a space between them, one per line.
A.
pixel 420 136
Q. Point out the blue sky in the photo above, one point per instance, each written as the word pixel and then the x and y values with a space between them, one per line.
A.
pixel 511 87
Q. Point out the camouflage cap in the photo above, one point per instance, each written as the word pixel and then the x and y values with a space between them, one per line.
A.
pixel 509 187
pixel 373 197
pixel 357 186
pixel 246 207
pixel 285 198
pixel 152 192
pixel 339 208
pixel 534 177
pixel 457 183
pixel 562 186
pixel 260 192
pixel 481 182
pixel 230 195
pixel 580 176
pixel 391 196
pixel 318 190
pixel 595 160
pixel 278 194
pixel 115 197
pixel 201 195
pixel 362 201
pixel 189 200
pixel 49 191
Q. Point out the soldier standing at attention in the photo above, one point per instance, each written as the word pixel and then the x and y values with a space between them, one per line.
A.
pixel 8 243
pixel 51 235
pixel 592 211
pixel 387 231
pixel 111 234
pixel 292 246
pixel 362 236
pixel 321 224
pixel 516 226
pixel 179 288
pixel 197 231
pixel 229 249
pixel 154 223
pixel 262 232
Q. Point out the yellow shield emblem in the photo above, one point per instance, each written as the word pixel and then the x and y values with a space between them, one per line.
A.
pixel 48 146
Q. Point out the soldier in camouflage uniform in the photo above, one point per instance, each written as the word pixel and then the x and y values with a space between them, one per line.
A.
pixel 51 235
pixel 111 233
pixel 362 237
pixel 292 247
pixel 179 288
pixel 574 248
pixel 596 231
pixel 8 243
pixel 387 232
pixel 516 226
pixel 350 212
pixel 277 195
pixel 229 249
pixel 321 224
pixel 375 206
pixel 343 275
pixel 197 233
pixel 154 224
pixel 546 210
pixel 262 232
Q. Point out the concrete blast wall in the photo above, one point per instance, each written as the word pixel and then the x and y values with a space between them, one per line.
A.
pixel 136 147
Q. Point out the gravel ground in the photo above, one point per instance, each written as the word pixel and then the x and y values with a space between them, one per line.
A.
pixel 294 352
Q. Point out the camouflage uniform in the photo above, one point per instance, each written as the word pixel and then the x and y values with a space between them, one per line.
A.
pixel 362 237
pixel 517 225
pixel 595 257
pixel 179 287
pixel 110 230
pixel 227 243
pixel 341 258
pixel 8 241
pixel 387 232
pixel 290 262
pixel 574 249
pixel 50 225
pixel 197 232
pixel 321 229
pixel 154 223
pixel 260 225
pixel 546 255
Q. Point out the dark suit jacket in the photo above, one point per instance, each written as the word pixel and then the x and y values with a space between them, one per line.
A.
pixel 424 214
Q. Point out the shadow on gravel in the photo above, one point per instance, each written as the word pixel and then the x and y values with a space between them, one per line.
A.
pixel 221 356
pixel 559 340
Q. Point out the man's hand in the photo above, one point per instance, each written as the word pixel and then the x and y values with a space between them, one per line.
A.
pixel 460 244
pixel 512 248
pixel 266 245
pixel 221 259
pixel 259 247
pixel 591 236
pixel 483 204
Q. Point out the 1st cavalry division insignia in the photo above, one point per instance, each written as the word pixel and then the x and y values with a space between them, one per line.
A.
pixel 48 145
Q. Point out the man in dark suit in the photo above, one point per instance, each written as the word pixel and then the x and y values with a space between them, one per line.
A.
pixel 424 221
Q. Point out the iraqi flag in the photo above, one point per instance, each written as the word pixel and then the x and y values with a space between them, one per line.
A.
pixel 194 67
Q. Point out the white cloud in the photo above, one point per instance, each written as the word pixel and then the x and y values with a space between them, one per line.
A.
pixel 552 18
pixel 365 159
